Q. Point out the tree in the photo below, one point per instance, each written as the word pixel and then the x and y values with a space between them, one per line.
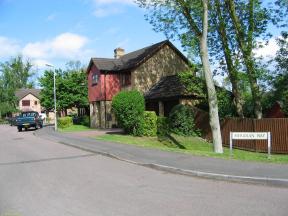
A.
pixel 280 83
pixel 245 37
pixel 282 54
pixel 46 94
pixel 188 19
pixel 223 45
pixel 15 74
pixel 71 88
pixel 196 85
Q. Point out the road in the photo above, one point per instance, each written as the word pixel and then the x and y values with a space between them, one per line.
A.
pixel 43 178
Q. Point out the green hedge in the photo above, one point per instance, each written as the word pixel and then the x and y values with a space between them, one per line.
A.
pixel 149 127
pixel 81 120
pixel 128 107
pixel 85 121
pixel 162 126
pixel 64 122
pixel 181 121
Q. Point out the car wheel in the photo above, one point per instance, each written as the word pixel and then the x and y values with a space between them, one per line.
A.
pixel 19 129
pixel 26 129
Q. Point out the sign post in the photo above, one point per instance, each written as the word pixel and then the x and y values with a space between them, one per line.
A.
pixel 250 136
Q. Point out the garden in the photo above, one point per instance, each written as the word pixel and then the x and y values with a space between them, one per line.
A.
pixel 176 133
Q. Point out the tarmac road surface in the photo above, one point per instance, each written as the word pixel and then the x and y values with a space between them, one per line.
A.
pixel 44 178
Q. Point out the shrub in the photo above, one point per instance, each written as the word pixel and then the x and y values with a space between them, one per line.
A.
pixel 64 122
pixel 162 126
pixel 81 120
pixel 181 121
pixel 85 120
pixel 149 127
pixel 128 107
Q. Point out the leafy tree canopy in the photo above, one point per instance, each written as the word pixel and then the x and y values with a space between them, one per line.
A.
pixel 14 74
pixel 71 87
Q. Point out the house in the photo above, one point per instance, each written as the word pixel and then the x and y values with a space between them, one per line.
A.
pixel 29 100
pixel 276 111
pixel 150 70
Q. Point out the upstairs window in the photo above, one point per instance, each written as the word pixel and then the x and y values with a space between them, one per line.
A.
pixel 25 102
pixel 95 78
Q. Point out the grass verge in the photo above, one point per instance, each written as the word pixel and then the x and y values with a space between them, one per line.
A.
pixel 75 128
pixel 191 145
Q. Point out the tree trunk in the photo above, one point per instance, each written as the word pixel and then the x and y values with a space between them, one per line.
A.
pixel 245 46
pixel 254 86
pixel 212 96
pixel 232 72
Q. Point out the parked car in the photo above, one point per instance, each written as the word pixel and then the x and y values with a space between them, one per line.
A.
pixel 29 119
pixel 43 116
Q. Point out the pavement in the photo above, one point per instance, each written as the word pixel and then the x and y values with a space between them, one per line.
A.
pixel 178 163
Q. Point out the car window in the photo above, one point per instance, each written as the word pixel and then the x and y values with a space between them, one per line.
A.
pixel 28 114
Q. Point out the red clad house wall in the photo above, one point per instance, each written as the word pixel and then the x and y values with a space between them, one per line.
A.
pixel 113 85
pixel 275 112
pixel 108 83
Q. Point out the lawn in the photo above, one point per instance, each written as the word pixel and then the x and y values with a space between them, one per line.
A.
pixel 75 128
pixel 191 145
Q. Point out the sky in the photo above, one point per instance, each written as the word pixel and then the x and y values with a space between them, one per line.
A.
pixel 57 31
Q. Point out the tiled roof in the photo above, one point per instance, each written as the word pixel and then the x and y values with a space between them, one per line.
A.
pixel 21 93
pixel 168 87
pixel 132 59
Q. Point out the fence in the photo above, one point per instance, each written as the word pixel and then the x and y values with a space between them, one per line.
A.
pixel 277 126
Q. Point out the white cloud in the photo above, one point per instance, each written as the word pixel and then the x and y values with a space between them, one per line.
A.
pixel 40 63
pixel 267 51
pixel 61 48
pixel 8 47
pixel 36 50
pixel 66 45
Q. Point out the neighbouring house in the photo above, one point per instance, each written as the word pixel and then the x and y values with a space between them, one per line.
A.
pixel 275 111
pixel 29 100
pixel 151 70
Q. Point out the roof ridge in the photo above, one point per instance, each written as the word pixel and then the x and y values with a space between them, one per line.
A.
pixel 147 47
pixel 132 59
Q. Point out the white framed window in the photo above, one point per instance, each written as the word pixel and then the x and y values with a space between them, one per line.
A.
pixel 95 78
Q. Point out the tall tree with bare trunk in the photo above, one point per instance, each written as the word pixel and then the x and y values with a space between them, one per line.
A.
pixel 188 19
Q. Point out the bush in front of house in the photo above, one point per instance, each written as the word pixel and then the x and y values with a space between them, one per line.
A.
pixel 181 121
pixel 162 126
pixel 149 126
pixel 81 120
pixel 65 122
pixel 129 107
pixel 85 120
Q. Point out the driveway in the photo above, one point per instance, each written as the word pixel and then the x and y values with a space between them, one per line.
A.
pixel 40 177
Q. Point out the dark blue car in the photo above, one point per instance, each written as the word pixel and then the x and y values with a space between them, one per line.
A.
pixel 29 119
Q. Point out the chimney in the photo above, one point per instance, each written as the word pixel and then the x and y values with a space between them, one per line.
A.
pixel 118 52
